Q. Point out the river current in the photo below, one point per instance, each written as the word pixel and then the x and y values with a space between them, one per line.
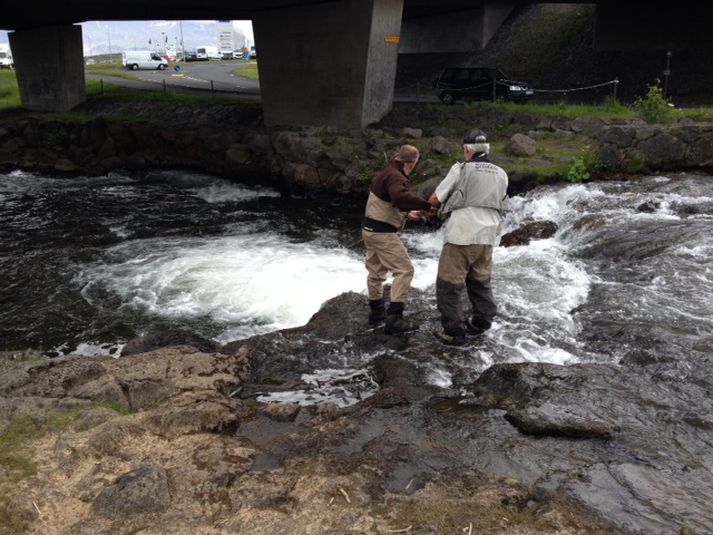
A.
pixel 88 263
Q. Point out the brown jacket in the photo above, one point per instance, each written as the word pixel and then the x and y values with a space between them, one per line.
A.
pixel 389 196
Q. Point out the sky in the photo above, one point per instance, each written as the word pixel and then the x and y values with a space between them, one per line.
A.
pixel 102 36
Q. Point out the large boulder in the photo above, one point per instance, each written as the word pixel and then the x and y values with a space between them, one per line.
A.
pixel 522 145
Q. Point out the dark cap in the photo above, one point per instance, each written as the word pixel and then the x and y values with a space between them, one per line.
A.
pixel 475 136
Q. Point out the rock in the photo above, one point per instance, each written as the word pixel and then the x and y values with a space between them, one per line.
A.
pixel 561 124
pixel 618 136
pixel 648 207
pixel 662 151
pixel 563 133
pixel 281 412
pixel 611 156
pixel 93 418
pixel 521 145
pixel 536 230
pixel 578 124
pixel 305 175
pixel 412 133
pixel 552 420
pixel 136 161
pixel 644 132
pixel 12 146
pixel 441 145
pixel 107 150
pixel 701 152
pixel 144 490
pixel 544 124
pixel 593 127
pixel 64 165
pixel 152 342
pixel 112 163
pixel 239 154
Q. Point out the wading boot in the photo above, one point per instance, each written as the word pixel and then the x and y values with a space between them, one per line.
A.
pixel 453 338
pixel 395 321
pixel 377 313
pixel 476 326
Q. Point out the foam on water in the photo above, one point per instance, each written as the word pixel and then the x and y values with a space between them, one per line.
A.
pixel 248 283
pixel 222 191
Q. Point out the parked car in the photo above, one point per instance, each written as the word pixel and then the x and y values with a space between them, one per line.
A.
pixel 143 59
pixel 227 54
pixel 253 53
pixel 479 83
pixel 191 55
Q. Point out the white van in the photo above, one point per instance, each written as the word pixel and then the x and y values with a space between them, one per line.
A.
pixel 208 52
pixel 142 59
pixel 5 57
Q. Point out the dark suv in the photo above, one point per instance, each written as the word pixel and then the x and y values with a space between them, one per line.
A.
pixel 479 83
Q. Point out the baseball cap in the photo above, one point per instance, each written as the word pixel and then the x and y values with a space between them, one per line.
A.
pixel 475 136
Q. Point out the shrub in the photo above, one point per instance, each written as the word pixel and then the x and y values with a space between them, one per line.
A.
pixel 578 170
pixel 654 107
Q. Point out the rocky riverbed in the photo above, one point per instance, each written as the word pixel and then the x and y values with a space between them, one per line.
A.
pixel 183 438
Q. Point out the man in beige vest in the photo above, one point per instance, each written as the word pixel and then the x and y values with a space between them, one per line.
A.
pixel 390 203
pixel 472 199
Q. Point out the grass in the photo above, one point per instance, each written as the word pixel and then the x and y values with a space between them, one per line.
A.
pixel 115 64
pixel 23 429
pixel 113 405
pixel 114 74
pixel 249 71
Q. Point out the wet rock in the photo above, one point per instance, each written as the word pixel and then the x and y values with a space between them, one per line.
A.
pixel 281 412
pixel 552 420
pixel 521 145
pixel 145 344
pixel 144 490
pixel 648 207
pixel 535 230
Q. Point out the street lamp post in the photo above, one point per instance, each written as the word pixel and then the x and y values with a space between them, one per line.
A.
pixel 667 73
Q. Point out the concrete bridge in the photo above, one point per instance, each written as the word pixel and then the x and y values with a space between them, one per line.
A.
pixel 322 62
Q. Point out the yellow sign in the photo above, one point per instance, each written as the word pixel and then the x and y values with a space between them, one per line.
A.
pixel 392 39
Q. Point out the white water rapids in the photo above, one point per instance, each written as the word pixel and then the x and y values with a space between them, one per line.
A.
pixel 109 258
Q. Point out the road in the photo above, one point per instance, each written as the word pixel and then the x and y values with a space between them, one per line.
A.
pixel 196 78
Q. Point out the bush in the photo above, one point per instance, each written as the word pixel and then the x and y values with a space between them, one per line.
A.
pixel 654 107
pixel 578 170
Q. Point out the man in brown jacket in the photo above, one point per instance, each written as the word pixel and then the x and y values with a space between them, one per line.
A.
pixel 389 199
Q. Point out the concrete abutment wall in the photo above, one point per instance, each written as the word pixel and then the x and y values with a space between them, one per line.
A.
pixel 336 67
pixel 50 67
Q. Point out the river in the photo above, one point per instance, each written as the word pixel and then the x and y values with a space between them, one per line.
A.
pixel 91 262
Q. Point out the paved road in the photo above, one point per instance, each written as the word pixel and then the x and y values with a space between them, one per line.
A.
pixel 196 77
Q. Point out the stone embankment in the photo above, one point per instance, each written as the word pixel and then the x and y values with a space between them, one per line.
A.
pixel 173 439
pixel 325 159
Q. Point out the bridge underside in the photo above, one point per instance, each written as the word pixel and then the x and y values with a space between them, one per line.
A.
pixel 322 62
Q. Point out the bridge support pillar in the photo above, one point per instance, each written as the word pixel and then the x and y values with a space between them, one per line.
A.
pixel 455 31
pixel 332 63
pixel 50 67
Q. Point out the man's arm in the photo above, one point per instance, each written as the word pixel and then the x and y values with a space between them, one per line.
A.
pixel 445 187
pixel 403 199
